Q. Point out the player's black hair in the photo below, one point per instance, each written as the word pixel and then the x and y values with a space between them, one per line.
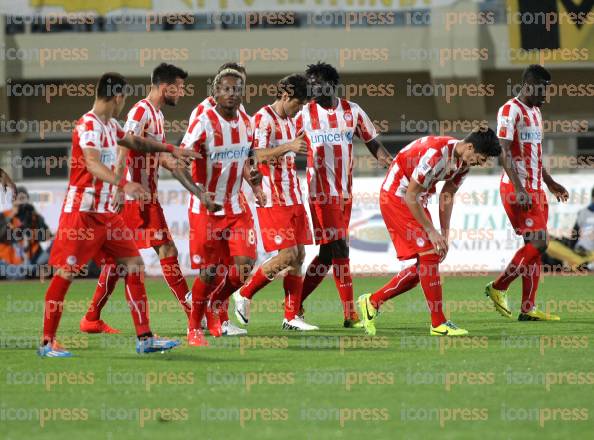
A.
pixel 167 74
pixel 592 192
pixel 535 73
pixel 325 71
pixel 232 65
pixel 110 85
pixel 485 142
pixel 295 85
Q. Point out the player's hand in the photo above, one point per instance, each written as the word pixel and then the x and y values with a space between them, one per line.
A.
pixel 261 198
pixel 136 191
pixel 207 199
pixel 185 153
pixel 7 182
pixel 523 199
pixel 439 243
pixel 255 177
pixel 299 144
pixel 558 191
pixel 384 159
pixel 118 200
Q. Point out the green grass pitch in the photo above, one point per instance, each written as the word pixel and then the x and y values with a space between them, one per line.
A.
pixel 508 380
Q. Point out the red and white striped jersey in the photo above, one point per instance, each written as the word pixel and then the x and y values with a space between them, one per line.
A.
pixel 522 125
pixel 146 121
pixel 86 193
pixel 329 135
pixel 427 160
pixel 279 176
pixel 225 147
pixel 209 103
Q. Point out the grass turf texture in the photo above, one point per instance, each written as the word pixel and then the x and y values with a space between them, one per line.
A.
pixel 499 383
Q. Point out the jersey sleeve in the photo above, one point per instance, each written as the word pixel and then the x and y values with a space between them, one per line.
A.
pixel 298 121
pixel 365 129
pixel 137 119
pixel 507 118
pixel 428 167
pixel 89 134
pixel 195 136
pixel 120 132
pixel 262 131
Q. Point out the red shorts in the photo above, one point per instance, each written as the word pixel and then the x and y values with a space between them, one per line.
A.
pixel 215 238
pixel 407 234
pixel 282 227
pixel 330 220
pixel 83 236
pixel 147 220
pixel 525 221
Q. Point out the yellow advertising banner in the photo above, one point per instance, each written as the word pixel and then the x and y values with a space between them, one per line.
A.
pixel 551 31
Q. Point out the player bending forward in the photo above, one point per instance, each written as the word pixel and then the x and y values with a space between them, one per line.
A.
pixel 410 182
pixel 223 136
pixel 519 127
pixel 89 228
pixel 146 219
pixel 284 224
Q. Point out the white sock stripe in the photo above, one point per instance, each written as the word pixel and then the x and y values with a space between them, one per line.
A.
pixel 396 286
pixel 134 304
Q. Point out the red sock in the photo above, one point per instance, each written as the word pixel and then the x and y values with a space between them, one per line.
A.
pixel 138 302
pixel 519 262
pixel 224 310
pixel 105 287
pixel 176 281
pixel 256 282
pixel 200 293
pixel 220 298
pixel 315 274
pixel 404 280
pixel 530 279
pixel 344 283
pixel 293 285
pixel 431 283
pixel 54 304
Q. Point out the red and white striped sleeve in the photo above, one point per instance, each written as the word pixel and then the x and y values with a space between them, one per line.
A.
pixel 365 129
pixel 89 134
pixel 137 119
pixel 430 165
pixel 507 118
pixel 262 131
pixel 195 136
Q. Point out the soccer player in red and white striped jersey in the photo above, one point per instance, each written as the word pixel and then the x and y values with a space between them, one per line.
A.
pixel 223 229
pixel 330 124
pixel 519 127
pixel 89 227
pixel 284 225
pixel 228 328
pixel 404 195
pixel 146 219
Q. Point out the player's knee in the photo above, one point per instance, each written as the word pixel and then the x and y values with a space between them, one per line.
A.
pixel 62 273
pixel 289 256
pixel 340 249
pixel 167 250
pixel 325 254
pixel 300 256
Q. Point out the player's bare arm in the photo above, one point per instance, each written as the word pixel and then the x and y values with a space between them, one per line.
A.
pixel 378 150
pixel 297 145
pixel 446 205
pixel 556 188
pixel 120 168
pixel 100 171
pixel 182 175
pixel 522 197
pixel 412 198
pixel 253 177
pixel 146 145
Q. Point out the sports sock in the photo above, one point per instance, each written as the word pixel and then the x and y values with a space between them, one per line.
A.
pixel 105 287
pixel 176 281
pixel 292 285
pixel 256 282
pixel 530 279
pixel 344 283
pixel 138 302
pixel 431 284
pixel 404 281
pixel 200 294
pixel 520 261
pixel 54 304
